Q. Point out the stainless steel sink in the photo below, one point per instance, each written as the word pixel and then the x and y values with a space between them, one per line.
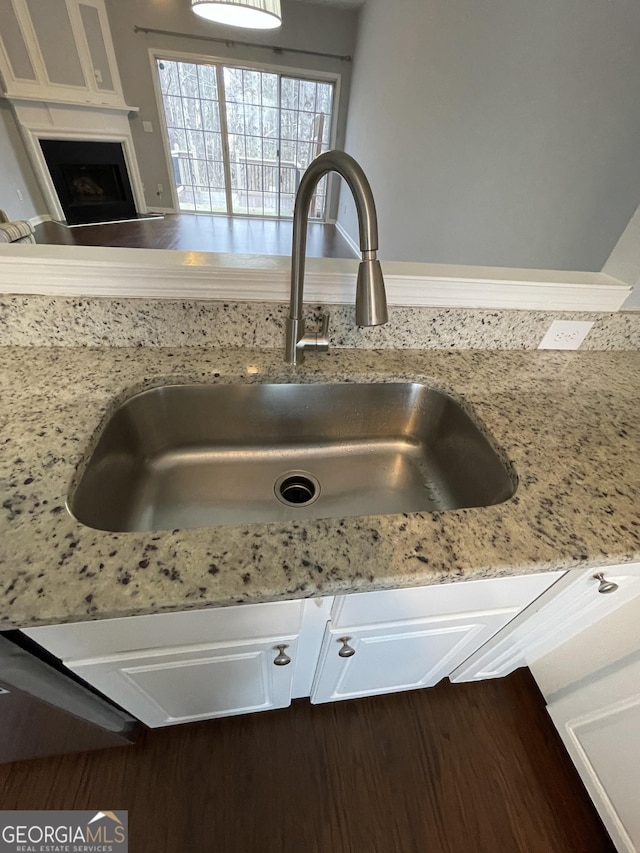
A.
pixel 201 455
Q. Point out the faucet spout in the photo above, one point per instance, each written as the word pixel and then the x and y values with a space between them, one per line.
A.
pixel 371 298
pixel 371 301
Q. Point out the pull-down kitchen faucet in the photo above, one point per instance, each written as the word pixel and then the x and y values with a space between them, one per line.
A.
pixel 371 300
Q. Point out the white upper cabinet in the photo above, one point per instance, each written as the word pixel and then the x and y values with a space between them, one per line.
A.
pixel 96 30
pixel 51 25
pixel 17 66
pixel 59 51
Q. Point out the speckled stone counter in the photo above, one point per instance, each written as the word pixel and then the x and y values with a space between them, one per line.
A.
pixel 568 422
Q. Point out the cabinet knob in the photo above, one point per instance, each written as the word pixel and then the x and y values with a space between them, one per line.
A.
pixel 346 651
pixel 605 586
pixel 281 659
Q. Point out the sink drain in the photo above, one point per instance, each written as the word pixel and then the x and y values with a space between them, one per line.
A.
pixel 297 488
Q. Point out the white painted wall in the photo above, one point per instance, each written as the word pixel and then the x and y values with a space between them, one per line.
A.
pixel 323 29
pixel 16 172
pixel 502 133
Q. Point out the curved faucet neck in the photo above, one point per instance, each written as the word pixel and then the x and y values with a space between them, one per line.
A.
pixel 371 300
pixel 350 170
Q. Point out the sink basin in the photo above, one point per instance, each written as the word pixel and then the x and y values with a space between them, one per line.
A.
pixel 202 455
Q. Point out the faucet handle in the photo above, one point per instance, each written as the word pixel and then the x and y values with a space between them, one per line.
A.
pixel 318 341
pixel 296 346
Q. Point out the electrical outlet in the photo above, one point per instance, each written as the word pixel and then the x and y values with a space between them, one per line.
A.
pixel 565 334
pixel 98 75
pixel 147 127
pixel 19 194
pixel 160 189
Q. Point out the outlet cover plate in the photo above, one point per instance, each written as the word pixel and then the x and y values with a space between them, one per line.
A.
pixel 566 334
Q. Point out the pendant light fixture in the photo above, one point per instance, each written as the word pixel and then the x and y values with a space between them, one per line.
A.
pixel 254 14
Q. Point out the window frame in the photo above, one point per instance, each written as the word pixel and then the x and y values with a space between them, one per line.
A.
pixel 158 54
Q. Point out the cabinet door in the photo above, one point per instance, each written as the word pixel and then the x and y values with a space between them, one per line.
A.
pixel 565 610
pixel 398 656
pixel 53 26
pixel 167 686
pixel 600 726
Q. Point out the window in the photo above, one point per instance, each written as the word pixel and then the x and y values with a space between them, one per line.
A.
pixel 241 138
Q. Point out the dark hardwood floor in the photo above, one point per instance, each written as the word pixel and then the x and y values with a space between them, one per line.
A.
pixel 466 768
pixel 200 233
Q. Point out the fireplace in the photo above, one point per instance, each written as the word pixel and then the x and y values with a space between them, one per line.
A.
pixel 91 180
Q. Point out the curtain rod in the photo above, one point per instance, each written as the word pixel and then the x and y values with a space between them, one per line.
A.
pixel 233 43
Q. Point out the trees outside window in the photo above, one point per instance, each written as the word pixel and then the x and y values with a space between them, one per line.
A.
pixel 240 138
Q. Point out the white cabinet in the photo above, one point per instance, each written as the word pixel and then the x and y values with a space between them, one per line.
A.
pixel 181 685
pixel 567 609
pixel 592 686
pixel 398 656
pixel 385 642
pixel 599 723
pixel 58 50
pixel 177 667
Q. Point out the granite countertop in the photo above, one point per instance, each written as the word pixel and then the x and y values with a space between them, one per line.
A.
pixel 568 422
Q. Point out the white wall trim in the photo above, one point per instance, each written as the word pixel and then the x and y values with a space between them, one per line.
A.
pixel 624 261
pixel 168 274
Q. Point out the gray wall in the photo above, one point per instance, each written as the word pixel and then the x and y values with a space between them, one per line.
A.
pixel 16 172
pixel 317 28
pixel 624 262
pixel 503 133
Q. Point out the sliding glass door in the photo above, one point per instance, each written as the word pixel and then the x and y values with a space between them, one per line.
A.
pixel 240 138
pixel 196 143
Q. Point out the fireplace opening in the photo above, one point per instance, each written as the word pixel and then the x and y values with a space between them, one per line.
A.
pixel 91 180
pixel 93 184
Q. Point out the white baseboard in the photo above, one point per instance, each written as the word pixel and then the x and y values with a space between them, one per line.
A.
pixel 352 243
pixel 38 220
pixel 163 210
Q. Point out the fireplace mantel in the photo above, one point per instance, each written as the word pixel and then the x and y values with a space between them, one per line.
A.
pixel 81 122
pixel 26 100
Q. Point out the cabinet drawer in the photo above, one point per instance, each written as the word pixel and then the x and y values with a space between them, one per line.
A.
pixel 398 605
pixel 83 640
